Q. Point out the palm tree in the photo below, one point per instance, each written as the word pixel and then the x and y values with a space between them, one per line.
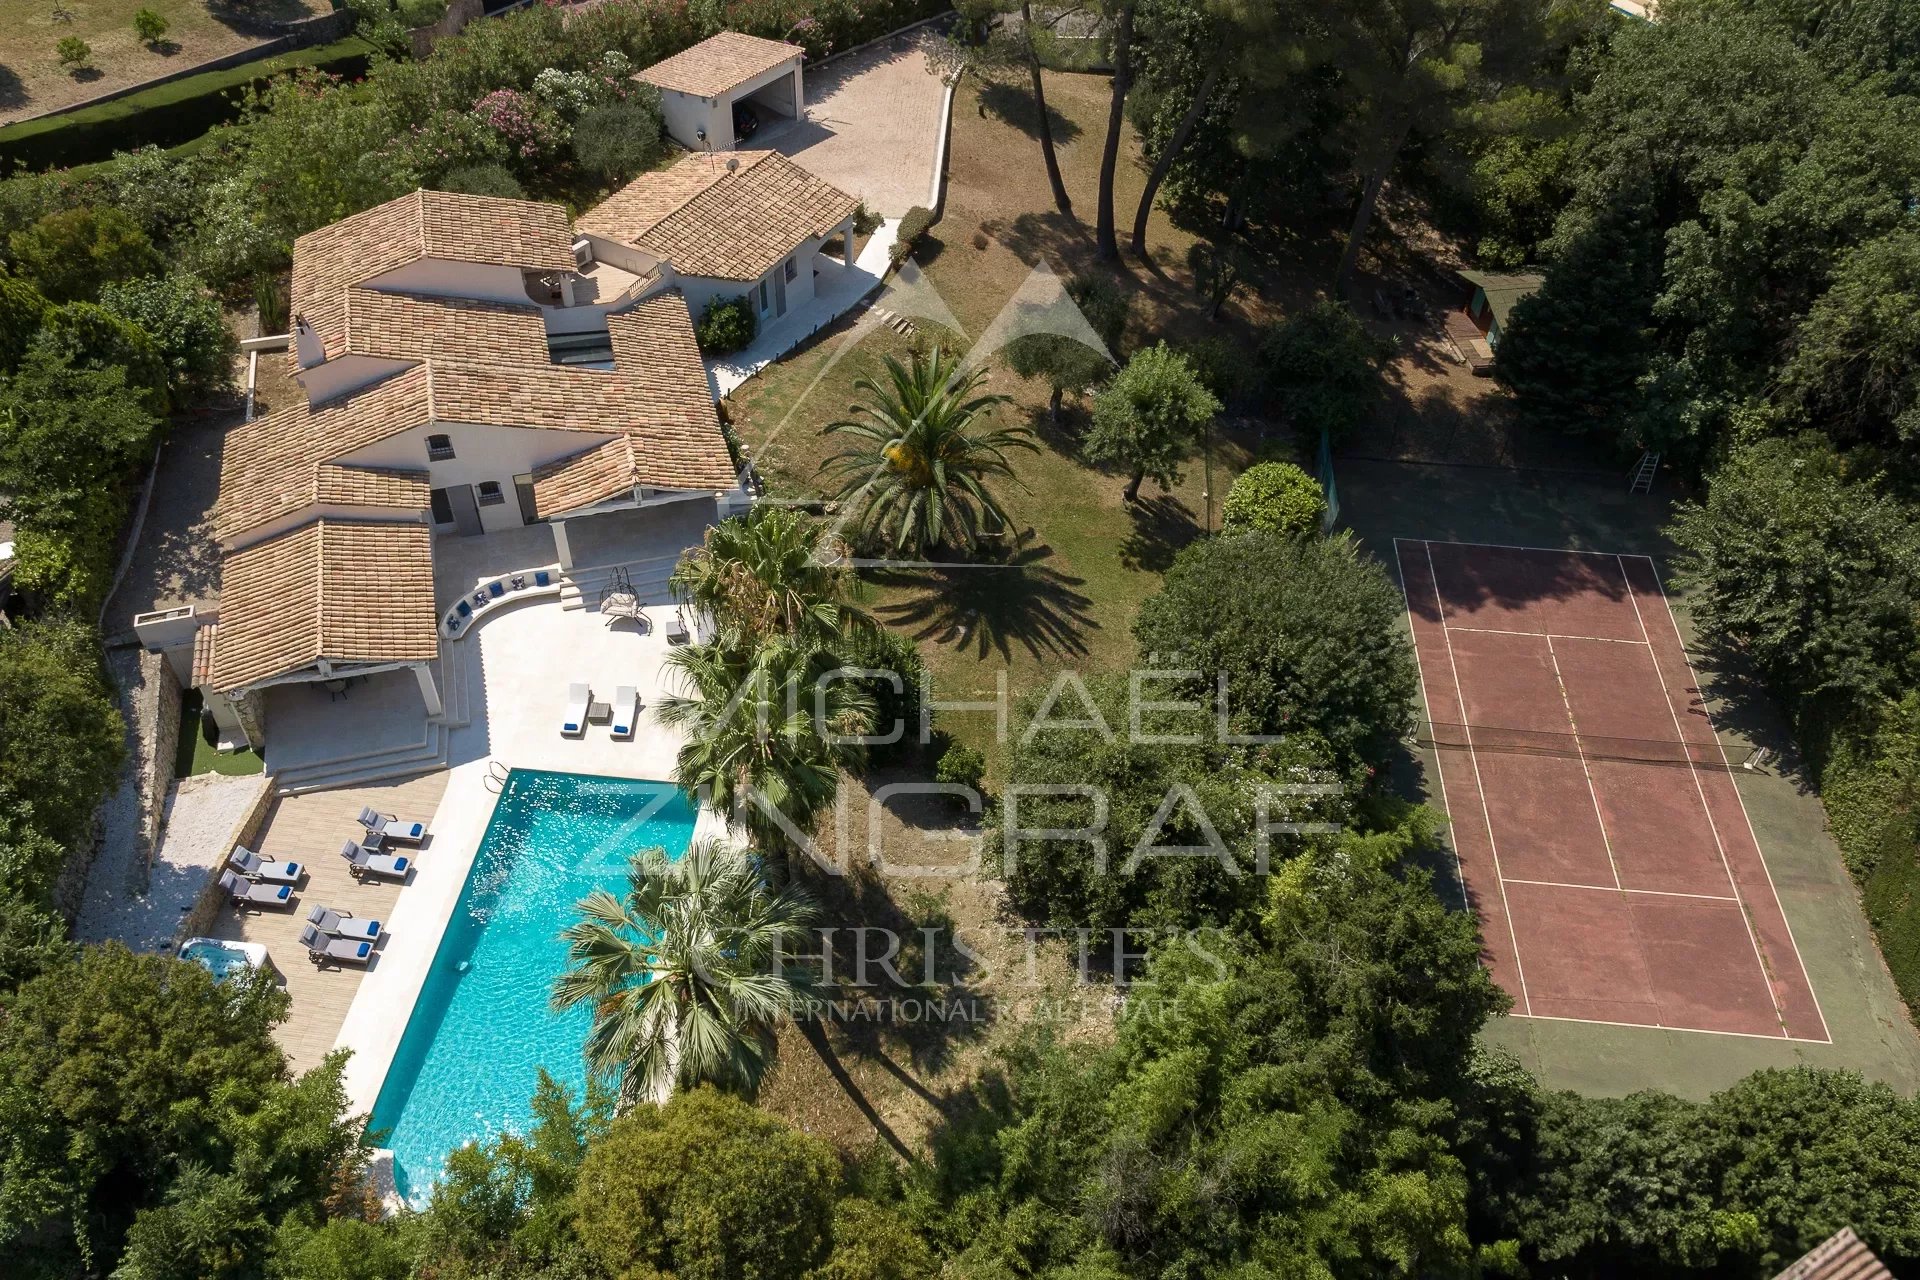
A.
pixel 684 972
pixel 773 572
pixel 757 737
pixel 916 471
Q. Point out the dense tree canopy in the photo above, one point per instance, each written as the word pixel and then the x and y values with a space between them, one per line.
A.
pixel 61 742
pixel 1278 1103
pixel 1179 846
pixel 142 1100
pixel 1808 573
pixel 1306 634
pixel 706 1188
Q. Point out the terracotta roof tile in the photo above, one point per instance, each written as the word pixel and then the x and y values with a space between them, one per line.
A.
pixel 528 234
pixel 718 63
pixel 336 590
pixel 277 465
pixel 1842 1256
pixel 412 326
pixel 670 433
pixel 728 217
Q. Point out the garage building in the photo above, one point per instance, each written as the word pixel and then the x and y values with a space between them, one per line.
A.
pixel 700 87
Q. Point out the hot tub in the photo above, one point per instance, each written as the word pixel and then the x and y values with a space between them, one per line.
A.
pixel 224 959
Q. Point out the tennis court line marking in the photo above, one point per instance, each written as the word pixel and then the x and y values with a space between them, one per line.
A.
pixel 1515 546
pixel 1661 1026
pixel 1400 571
pixel 1778 902
pixel 1551 635
pixel 1657 893
pixel 1493 844
pixel 1700 790
pixel 1600 818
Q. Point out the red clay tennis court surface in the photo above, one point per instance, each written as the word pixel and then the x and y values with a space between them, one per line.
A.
pixel 1617 879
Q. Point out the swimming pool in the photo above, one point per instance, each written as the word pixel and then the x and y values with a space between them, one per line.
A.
pixel 481 1027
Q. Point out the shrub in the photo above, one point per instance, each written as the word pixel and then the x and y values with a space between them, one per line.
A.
pixel 185 323
pixel 149 26
pixel 483 180
pixel 727 324
pixel 865 220
pixel 74 53
pixel 68 255
pixel 84 335
pixel 961 766
pixel 615 141
pixel 1307 633
pixel 1322 368
pixel 913 225
pixel 61 743
pixel 706 1186
pixel 1277 497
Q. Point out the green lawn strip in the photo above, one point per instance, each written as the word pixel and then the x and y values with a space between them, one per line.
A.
pixel 195 755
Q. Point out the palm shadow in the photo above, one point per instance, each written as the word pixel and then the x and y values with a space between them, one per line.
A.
pixel 1161 527
pixel 990 608
pixel 1011 103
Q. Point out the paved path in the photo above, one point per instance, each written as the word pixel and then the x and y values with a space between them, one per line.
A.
pixel 873 121
pixel 832 299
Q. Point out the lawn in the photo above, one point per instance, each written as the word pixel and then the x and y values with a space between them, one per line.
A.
pixel 1079 560
pixel 196 755
pixel 32 81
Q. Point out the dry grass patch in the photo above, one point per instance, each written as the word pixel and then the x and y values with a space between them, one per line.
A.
pixel 32 81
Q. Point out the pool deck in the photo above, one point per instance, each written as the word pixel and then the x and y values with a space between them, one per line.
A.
pixel 309 829
pixel 528 654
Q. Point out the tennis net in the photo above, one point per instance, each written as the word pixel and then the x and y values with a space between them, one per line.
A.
pixel 1486 739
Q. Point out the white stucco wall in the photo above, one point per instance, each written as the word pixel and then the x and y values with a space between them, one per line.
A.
pixel 700 290
pixel 346 373
pixel 686 114
pixel 479 453
pixel 455 280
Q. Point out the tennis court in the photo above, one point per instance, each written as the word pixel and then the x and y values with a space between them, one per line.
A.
pixel 1599 833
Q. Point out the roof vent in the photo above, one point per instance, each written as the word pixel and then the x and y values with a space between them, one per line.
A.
pixel 732 163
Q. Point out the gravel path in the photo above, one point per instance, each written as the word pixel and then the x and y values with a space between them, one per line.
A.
pixel 202 812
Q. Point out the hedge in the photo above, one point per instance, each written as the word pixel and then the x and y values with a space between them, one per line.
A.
pixel 165 115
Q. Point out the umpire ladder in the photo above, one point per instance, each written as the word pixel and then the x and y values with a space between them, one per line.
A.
pixel 1643 473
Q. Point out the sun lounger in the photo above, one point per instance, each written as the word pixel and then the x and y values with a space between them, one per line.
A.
pixel 321 948
pixel 574 723
pixel 362 861
pixel 388 827
pixel 254 867
pixel 341 924
pixel 245 893
pixel 626 711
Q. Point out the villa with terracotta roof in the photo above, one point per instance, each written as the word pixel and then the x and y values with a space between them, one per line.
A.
pixel 469 366
pixel 700 88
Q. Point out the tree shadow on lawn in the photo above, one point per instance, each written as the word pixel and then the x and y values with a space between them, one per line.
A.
pixel 900 985
pixel 990 608
pixel 1011 103
pixel 1162 525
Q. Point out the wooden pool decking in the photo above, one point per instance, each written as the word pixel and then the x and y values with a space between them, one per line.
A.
pixel 310 829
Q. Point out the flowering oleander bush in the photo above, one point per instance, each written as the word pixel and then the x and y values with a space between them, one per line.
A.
pixel 531 129
pixel 452 140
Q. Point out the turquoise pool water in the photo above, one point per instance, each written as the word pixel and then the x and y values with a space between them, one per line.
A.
pixel 482 1026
